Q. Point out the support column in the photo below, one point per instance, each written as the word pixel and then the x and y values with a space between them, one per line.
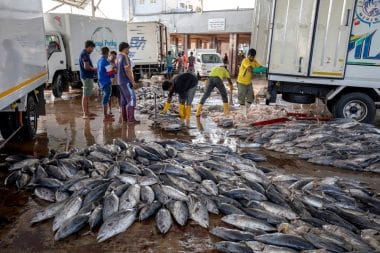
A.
pixel 199 43
pixel 185 39
pixel 232 56
pixel 213 42
pixel 176 43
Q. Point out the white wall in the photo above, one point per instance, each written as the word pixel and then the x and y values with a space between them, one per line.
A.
pixel 236 21
pixel 148 6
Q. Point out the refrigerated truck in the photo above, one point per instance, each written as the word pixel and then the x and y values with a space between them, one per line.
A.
pixel 23 67
pixel 148 47
pixel 327 49
pixel 65 38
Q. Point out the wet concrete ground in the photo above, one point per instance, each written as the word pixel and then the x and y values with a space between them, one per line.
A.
pixel 63 128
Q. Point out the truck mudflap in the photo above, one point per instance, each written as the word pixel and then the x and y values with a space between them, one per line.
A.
pixel 41 102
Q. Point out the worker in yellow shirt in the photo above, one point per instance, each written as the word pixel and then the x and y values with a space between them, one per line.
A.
pixel 244 80
pixel 215 80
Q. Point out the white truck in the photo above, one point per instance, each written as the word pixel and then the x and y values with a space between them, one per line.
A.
pixel 327 49
pixel 205 60
pixel 65 38
pixel 148 46
pixel 23 67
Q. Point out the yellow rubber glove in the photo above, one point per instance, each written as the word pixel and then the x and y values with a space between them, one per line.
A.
pixel 166 107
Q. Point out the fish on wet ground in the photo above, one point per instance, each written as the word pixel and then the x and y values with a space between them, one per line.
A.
pixel 109 188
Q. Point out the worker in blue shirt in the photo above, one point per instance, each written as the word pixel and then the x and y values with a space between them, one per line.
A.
pixel 87 72
pixel 169 64
pixel 105 73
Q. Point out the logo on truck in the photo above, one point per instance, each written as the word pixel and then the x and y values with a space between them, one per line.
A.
pixel 104 37
pixel 136 43
pixel 368 11
pixel 363 44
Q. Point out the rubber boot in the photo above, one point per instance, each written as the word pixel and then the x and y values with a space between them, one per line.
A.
pixel 131 115
pixel 199 110
pixel 226 108
pixel 181 111
pixel 187 112
pixel 124 113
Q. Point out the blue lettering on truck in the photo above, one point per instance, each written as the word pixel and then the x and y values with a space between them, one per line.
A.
pixel 104 37
pixel 138 42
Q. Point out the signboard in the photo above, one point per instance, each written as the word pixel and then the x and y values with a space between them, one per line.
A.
pixel 364 44
pixel 217 24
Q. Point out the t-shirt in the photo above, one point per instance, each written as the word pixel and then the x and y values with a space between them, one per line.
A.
pixel 182 83
pixel 220 72
pixel 191 61
pixel 85 57
pixel 179 63
pixel 104 78
pixel 169 60
pixel 245 76
pixel 122 77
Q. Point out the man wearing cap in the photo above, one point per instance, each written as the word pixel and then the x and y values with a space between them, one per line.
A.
pixel 244 80
pixel 215 80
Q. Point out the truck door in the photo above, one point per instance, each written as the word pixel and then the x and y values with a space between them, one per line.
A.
pixel 262 29
pixel 332 36
pixel 292 37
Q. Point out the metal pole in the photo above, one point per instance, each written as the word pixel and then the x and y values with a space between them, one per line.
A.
pixel 155 108
pixel 93 8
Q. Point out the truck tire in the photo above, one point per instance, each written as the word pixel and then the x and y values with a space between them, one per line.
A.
pixel 356 105
pixel 298 98
pixel 8 124
pixel 58 85
pixel 30 119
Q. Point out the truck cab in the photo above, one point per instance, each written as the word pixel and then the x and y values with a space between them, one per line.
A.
pixel 56 54
pixel 205 60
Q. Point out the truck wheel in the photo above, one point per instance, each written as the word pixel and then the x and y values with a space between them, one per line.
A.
pixel 8 124
pixel 358 106
pixel 298 98
pixel 30 119
pixel 57 87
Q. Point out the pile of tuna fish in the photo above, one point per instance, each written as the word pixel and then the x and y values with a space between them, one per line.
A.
pixel 168 122
pixel 341 143
pixel 113 186
pixel 149 92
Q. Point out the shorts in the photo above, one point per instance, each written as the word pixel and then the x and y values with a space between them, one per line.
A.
pixel 115 91
pixel 106 94
pixel 169 70
pixel 88 86
pixel 245 94
pixel 189 97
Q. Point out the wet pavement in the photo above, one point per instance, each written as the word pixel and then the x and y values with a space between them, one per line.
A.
pixel 63 128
